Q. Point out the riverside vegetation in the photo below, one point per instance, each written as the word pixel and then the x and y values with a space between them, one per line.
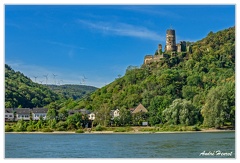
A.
pixel 188 91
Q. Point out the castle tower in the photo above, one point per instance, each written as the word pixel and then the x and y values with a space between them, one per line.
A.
pixel 171 40
pixel 159 48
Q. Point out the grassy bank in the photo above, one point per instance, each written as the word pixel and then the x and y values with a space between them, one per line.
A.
pixel 128 129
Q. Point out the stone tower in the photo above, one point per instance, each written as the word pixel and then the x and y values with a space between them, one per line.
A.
pixel 159 48
pixel 171 41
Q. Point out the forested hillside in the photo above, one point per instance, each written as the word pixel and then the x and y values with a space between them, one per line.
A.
pixel 72 91
pixel 189 88
pixel 20 91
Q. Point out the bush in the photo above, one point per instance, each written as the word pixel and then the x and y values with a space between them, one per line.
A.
pixel 99 128
pixel 61 129
pixel 79 131
pixel 30 128
pixel 61 126
pixel 196 128
pixel 8 128
pixel 122 129
pixel 47 130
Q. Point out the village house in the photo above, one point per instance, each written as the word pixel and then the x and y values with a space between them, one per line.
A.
pixel 39 112
pixel 114 113
pixel 23 113
pixel 91 116
pixel 139 108
pixel 9 114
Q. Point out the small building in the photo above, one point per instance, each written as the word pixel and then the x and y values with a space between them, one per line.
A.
pixel 91 116
pixel 9 114
pixel 72 112
pixel 39 112
pixel 115 113
pixel 139 108
pixel 84 111
pixel 23 113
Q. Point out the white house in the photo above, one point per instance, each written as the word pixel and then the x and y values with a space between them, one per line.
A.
pixel 39 112
pixel 116 113
pixel 23 113
pixel 91 116
pixel 9 115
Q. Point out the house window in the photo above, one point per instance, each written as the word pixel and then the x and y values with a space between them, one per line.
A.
pixel 6 116
pixel 10 115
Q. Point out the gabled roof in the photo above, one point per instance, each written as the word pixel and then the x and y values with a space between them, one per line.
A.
pixel 40 110
pixel 23 111
pixel 140 108
pixel 132 109
pixel 8 110
pixel 83 111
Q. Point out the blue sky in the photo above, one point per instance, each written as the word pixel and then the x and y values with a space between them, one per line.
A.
pixel 99 42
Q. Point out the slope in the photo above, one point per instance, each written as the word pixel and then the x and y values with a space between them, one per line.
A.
pixel 72 91
pixel 187 76
pixel 20 91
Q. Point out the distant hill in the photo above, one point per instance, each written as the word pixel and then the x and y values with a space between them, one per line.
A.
pixel 20 91
pixel 72 91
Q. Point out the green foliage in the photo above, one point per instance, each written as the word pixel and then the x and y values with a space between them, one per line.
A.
pixel 72 91
pixel 61 126
pixel 188 89
pixel 220 106
pixel 103 115
pixel 181 112
pixel 20 91
pixel 74 121
pixel 99 128
pixel 47 130
pixel 8 128
pixel 79 131
pixel 123 129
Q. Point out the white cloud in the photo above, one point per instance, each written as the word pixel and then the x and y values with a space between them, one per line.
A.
pixel 122 29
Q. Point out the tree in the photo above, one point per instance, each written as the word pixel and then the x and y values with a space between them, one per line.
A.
pixel 124 117
pixel 181 111
pixel 74 121
pixel 219 106
pixel 138 118
pixel 103 115
pixel 52 114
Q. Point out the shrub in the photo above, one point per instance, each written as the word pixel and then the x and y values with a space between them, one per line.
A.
pixel 30 128
pixel 99 128
pixel 79 131
pixel 47 130
pixel 196 128
pixel 8 128
pixel 61 126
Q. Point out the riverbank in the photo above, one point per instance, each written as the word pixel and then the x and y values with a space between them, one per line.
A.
pixel 130 132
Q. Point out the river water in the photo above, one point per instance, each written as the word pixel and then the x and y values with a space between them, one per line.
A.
pixel 158 145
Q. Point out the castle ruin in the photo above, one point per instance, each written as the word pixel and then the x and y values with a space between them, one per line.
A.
pixel 170 47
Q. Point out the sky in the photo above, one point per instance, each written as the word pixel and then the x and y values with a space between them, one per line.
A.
pixel 94 44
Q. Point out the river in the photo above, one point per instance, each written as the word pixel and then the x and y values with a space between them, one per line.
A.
pixel 158 145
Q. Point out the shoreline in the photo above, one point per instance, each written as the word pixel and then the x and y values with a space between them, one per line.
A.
pixel 112 132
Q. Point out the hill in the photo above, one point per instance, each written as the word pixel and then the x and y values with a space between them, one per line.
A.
pixel 72 91
pixel 188 88
pixel 20 91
